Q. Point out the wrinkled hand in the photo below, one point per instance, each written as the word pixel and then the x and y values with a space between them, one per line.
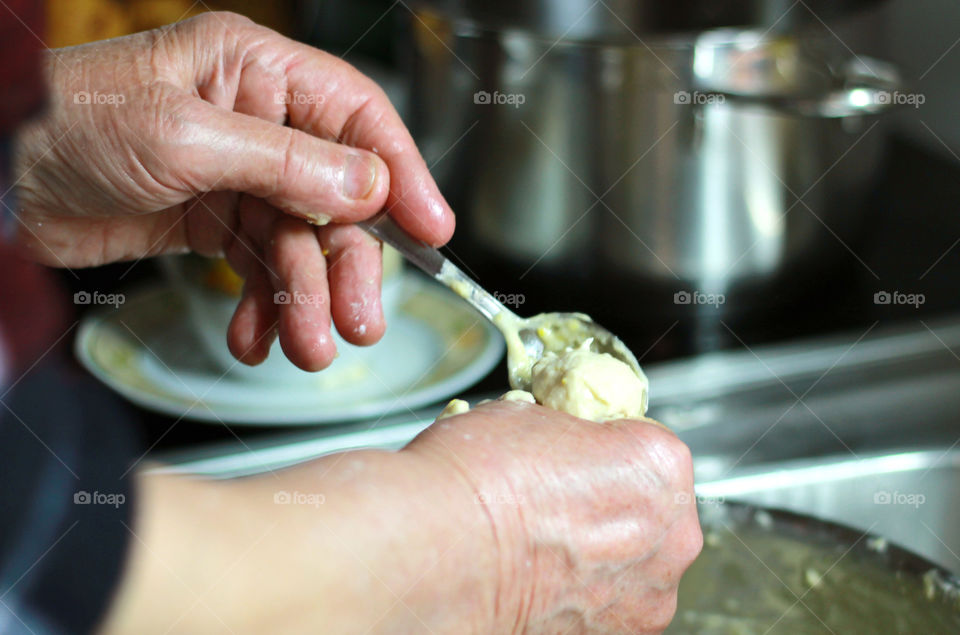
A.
pixel 511 518
pixel 593 523
pixel 173 140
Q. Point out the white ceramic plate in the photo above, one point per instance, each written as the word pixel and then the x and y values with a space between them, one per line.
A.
pixel 434 348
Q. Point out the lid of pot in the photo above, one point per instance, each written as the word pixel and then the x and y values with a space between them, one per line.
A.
pixel 615 20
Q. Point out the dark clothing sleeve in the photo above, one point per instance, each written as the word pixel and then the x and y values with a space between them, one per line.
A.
pixel 66 501
pixel 65 443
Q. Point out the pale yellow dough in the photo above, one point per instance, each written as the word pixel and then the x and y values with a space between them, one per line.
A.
pixel 518 395
pixel 578 381
pixel 589 385
pixel 455 407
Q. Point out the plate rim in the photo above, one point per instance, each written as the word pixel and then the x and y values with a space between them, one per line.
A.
pixel 202 412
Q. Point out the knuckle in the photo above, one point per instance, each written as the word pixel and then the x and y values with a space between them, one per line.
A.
pixel 290 167
pixel 227 19
pixel 679 455
pixel 692 542
pixel 211 23
pixel 349 239
pixel 368 89
pixel 663 612
pixel 682 458
pixel 172 122
pixel 372 110
pixel 378 97
pixel 172 159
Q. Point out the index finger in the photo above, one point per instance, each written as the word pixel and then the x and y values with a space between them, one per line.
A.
pixel 329 98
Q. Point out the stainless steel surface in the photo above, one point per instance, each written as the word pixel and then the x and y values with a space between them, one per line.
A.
pixel 574 326
pixel 236 459
pixel 628 19
pixel 767 572
pixel 911 498
pixel 737 410
pixel 883 389
pixel 428 259
pixel 877 415
pixel 704 162
pixel 435 265
pixel 865 88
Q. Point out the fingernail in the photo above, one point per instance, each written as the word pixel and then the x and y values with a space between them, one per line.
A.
pixel 359 175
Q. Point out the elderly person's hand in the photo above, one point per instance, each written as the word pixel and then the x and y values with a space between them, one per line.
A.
pixel 593 523
pixel 222 137
pixel 511 518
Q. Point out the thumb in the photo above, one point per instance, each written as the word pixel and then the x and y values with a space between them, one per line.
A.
pixel 642 421
pixel 318 180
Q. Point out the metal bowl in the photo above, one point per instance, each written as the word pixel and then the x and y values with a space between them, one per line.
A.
pixel 767 571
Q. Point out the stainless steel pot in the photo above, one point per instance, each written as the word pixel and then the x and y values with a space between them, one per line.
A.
pixel 705 160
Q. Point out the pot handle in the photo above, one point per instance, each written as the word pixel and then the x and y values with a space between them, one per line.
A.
pixel 869 86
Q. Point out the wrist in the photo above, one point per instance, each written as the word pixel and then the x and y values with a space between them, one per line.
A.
pixel 454 555
pixel 168 568
pixel 367 540
pixel 497 552
pixel 411 546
